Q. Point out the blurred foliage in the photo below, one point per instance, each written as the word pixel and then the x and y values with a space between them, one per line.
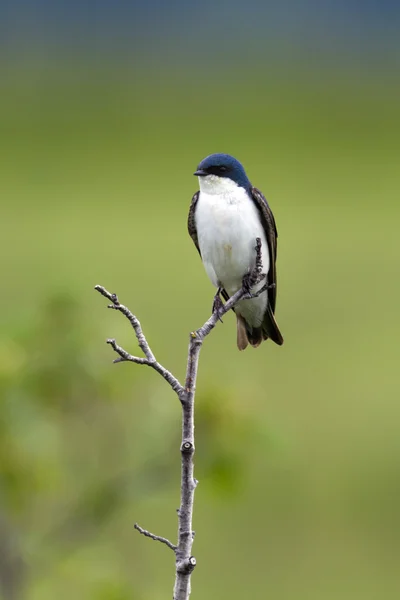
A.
pixel 297 448
pixel 64 462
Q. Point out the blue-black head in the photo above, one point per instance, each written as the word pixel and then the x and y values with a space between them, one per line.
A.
pixel 224 165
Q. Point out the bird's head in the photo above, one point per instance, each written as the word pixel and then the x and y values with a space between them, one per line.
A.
pixel 219 173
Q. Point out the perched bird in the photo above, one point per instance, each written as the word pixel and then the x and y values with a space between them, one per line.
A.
pixel 226 217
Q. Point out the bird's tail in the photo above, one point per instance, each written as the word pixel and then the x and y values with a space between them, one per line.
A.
pixel 242 339
pixel 255 335
pixel 245 335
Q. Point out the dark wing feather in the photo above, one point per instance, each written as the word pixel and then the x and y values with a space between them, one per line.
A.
pixel 192 222
pixel 271 235
pixel 270 327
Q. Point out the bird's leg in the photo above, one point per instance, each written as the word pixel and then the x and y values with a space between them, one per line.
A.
pixel 217 303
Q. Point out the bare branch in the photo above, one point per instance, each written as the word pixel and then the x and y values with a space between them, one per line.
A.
pixel 156 538
pixel 185 562
pixel 134 321
pixel 125 356
pixel 150 359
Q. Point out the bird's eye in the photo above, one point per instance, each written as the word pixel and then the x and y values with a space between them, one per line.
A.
pixel 223 169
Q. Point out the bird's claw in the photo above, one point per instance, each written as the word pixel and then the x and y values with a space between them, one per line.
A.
pixel 267 286
pixel 217 304
pixel 247 282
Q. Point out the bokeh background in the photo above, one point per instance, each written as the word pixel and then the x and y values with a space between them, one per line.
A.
pixel 106 110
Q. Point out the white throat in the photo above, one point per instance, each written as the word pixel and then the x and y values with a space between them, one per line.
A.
pixel 212 184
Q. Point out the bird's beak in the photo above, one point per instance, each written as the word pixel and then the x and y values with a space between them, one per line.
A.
pixel 200 173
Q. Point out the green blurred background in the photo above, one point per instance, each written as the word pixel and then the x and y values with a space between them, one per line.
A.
pixel 298 448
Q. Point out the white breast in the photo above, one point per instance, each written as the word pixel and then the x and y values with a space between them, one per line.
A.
pixel 228 223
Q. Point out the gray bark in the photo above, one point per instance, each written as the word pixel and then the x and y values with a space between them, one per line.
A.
pixel 184 561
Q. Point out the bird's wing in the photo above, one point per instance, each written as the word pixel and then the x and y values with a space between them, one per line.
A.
pixel 192 222
pixel 270 327
pixel 271 234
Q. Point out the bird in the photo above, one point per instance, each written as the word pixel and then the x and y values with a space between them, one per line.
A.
pixel 226 216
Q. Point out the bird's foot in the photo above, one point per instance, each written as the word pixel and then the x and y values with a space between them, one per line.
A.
pixel 264 288
pixel 249 281
pixel 217 304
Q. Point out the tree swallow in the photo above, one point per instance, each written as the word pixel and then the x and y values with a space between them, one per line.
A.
pixel 225 218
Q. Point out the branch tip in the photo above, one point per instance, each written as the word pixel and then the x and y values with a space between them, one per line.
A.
pixel 156 538
pixel 149 359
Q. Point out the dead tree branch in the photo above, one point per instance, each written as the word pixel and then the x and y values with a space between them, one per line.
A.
pixel 184 561
pixel 156 538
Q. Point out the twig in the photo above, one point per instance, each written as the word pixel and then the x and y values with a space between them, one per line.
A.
pixel 185 562
pixel 150 359
pixel 156 538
